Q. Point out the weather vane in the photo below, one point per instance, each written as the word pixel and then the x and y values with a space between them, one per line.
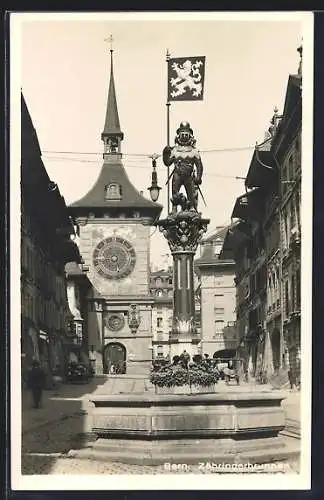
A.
pixel 110 40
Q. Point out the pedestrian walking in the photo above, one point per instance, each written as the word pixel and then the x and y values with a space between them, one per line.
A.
pixel 36 383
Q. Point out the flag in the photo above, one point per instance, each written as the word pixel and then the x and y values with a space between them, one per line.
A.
pixel 186 78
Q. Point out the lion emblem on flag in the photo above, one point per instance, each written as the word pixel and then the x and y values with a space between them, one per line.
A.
pixel 188 77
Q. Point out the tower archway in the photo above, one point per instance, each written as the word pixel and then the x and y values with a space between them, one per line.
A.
pixel 114 358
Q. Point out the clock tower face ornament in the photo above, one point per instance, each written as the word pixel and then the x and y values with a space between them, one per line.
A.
pixel 115 322
pixel 114 258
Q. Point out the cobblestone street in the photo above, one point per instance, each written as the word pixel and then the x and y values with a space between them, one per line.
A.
pixel 64 423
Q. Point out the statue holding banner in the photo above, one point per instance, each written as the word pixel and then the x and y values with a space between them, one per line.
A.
pixel 188 169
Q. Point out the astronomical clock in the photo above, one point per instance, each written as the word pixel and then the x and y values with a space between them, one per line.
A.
pixel 114 258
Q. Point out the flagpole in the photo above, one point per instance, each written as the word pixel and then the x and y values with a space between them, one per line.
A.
pixel 168 127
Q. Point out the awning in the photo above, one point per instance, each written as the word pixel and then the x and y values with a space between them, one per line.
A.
pixel 225 353
pixel 235 236
pixel 249 206
pixel 262 171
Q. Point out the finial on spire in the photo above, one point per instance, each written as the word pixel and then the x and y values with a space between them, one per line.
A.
pixel 110 40
pixel 274 122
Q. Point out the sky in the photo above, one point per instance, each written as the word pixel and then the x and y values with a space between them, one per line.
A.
pixel 65 67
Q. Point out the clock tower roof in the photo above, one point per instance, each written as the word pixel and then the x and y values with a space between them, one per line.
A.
pixel 113 192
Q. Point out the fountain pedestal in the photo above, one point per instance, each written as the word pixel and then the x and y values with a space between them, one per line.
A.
pixel 183 231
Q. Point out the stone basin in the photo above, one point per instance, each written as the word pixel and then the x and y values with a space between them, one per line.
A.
pixel 154 429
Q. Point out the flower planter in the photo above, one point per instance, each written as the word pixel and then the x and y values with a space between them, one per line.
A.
pixel 201 389
pixel 185 389
pixel 181 389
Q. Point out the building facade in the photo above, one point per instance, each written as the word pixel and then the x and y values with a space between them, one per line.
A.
pixel 265 244
pixel 114 222
pixel 161 289
pixel 217 298
pixel 287 152
pixel 46 247
pixel 77 285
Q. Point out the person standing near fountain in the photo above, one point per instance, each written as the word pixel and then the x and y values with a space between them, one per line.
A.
pixel 185 358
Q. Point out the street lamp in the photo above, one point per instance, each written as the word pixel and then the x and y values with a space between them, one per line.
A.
pixel 154 189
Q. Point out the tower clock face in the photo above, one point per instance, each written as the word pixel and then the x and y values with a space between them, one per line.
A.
pixel 114 258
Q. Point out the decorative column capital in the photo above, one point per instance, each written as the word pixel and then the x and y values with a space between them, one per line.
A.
pixel 183 230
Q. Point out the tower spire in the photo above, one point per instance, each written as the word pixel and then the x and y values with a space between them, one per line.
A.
pixel 112 134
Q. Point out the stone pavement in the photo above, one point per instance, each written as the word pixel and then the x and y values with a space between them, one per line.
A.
pixel 70 466
pixel 58 404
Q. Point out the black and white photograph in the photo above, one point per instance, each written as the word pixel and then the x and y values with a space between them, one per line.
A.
pixel 161 210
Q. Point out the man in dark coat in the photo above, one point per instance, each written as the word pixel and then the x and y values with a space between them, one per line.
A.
pixel 36 382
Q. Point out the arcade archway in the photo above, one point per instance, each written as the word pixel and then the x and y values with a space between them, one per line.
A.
pixel 114 358
pixel 275 345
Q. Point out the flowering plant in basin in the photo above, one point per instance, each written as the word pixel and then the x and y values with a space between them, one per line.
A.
pixel 170 376
pixel 199 375
pixel 176 375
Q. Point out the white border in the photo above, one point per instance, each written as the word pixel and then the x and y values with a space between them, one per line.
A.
pixel 175 481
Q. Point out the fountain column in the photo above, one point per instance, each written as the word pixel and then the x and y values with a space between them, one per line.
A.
pixel 183 231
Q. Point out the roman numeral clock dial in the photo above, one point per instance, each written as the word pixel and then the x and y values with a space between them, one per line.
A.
pixel 114 258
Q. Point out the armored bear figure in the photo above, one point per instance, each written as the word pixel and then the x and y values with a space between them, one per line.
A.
pixel 188 168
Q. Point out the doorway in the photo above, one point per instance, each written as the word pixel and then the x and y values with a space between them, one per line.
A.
pixel 114 358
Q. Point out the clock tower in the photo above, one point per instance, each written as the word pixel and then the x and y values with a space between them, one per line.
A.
pixel 114 222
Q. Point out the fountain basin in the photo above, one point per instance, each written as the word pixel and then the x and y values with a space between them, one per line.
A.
pixel 157 428
pixel 173 415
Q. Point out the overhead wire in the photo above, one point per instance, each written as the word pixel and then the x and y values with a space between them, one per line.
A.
pixel 146 166
pixel 147 155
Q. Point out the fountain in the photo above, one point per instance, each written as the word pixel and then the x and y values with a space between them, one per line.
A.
pixel 232 426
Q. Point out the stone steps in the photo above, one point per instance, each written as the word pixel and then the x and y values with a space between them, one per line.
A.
pixel 187 451
pixel 292 429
